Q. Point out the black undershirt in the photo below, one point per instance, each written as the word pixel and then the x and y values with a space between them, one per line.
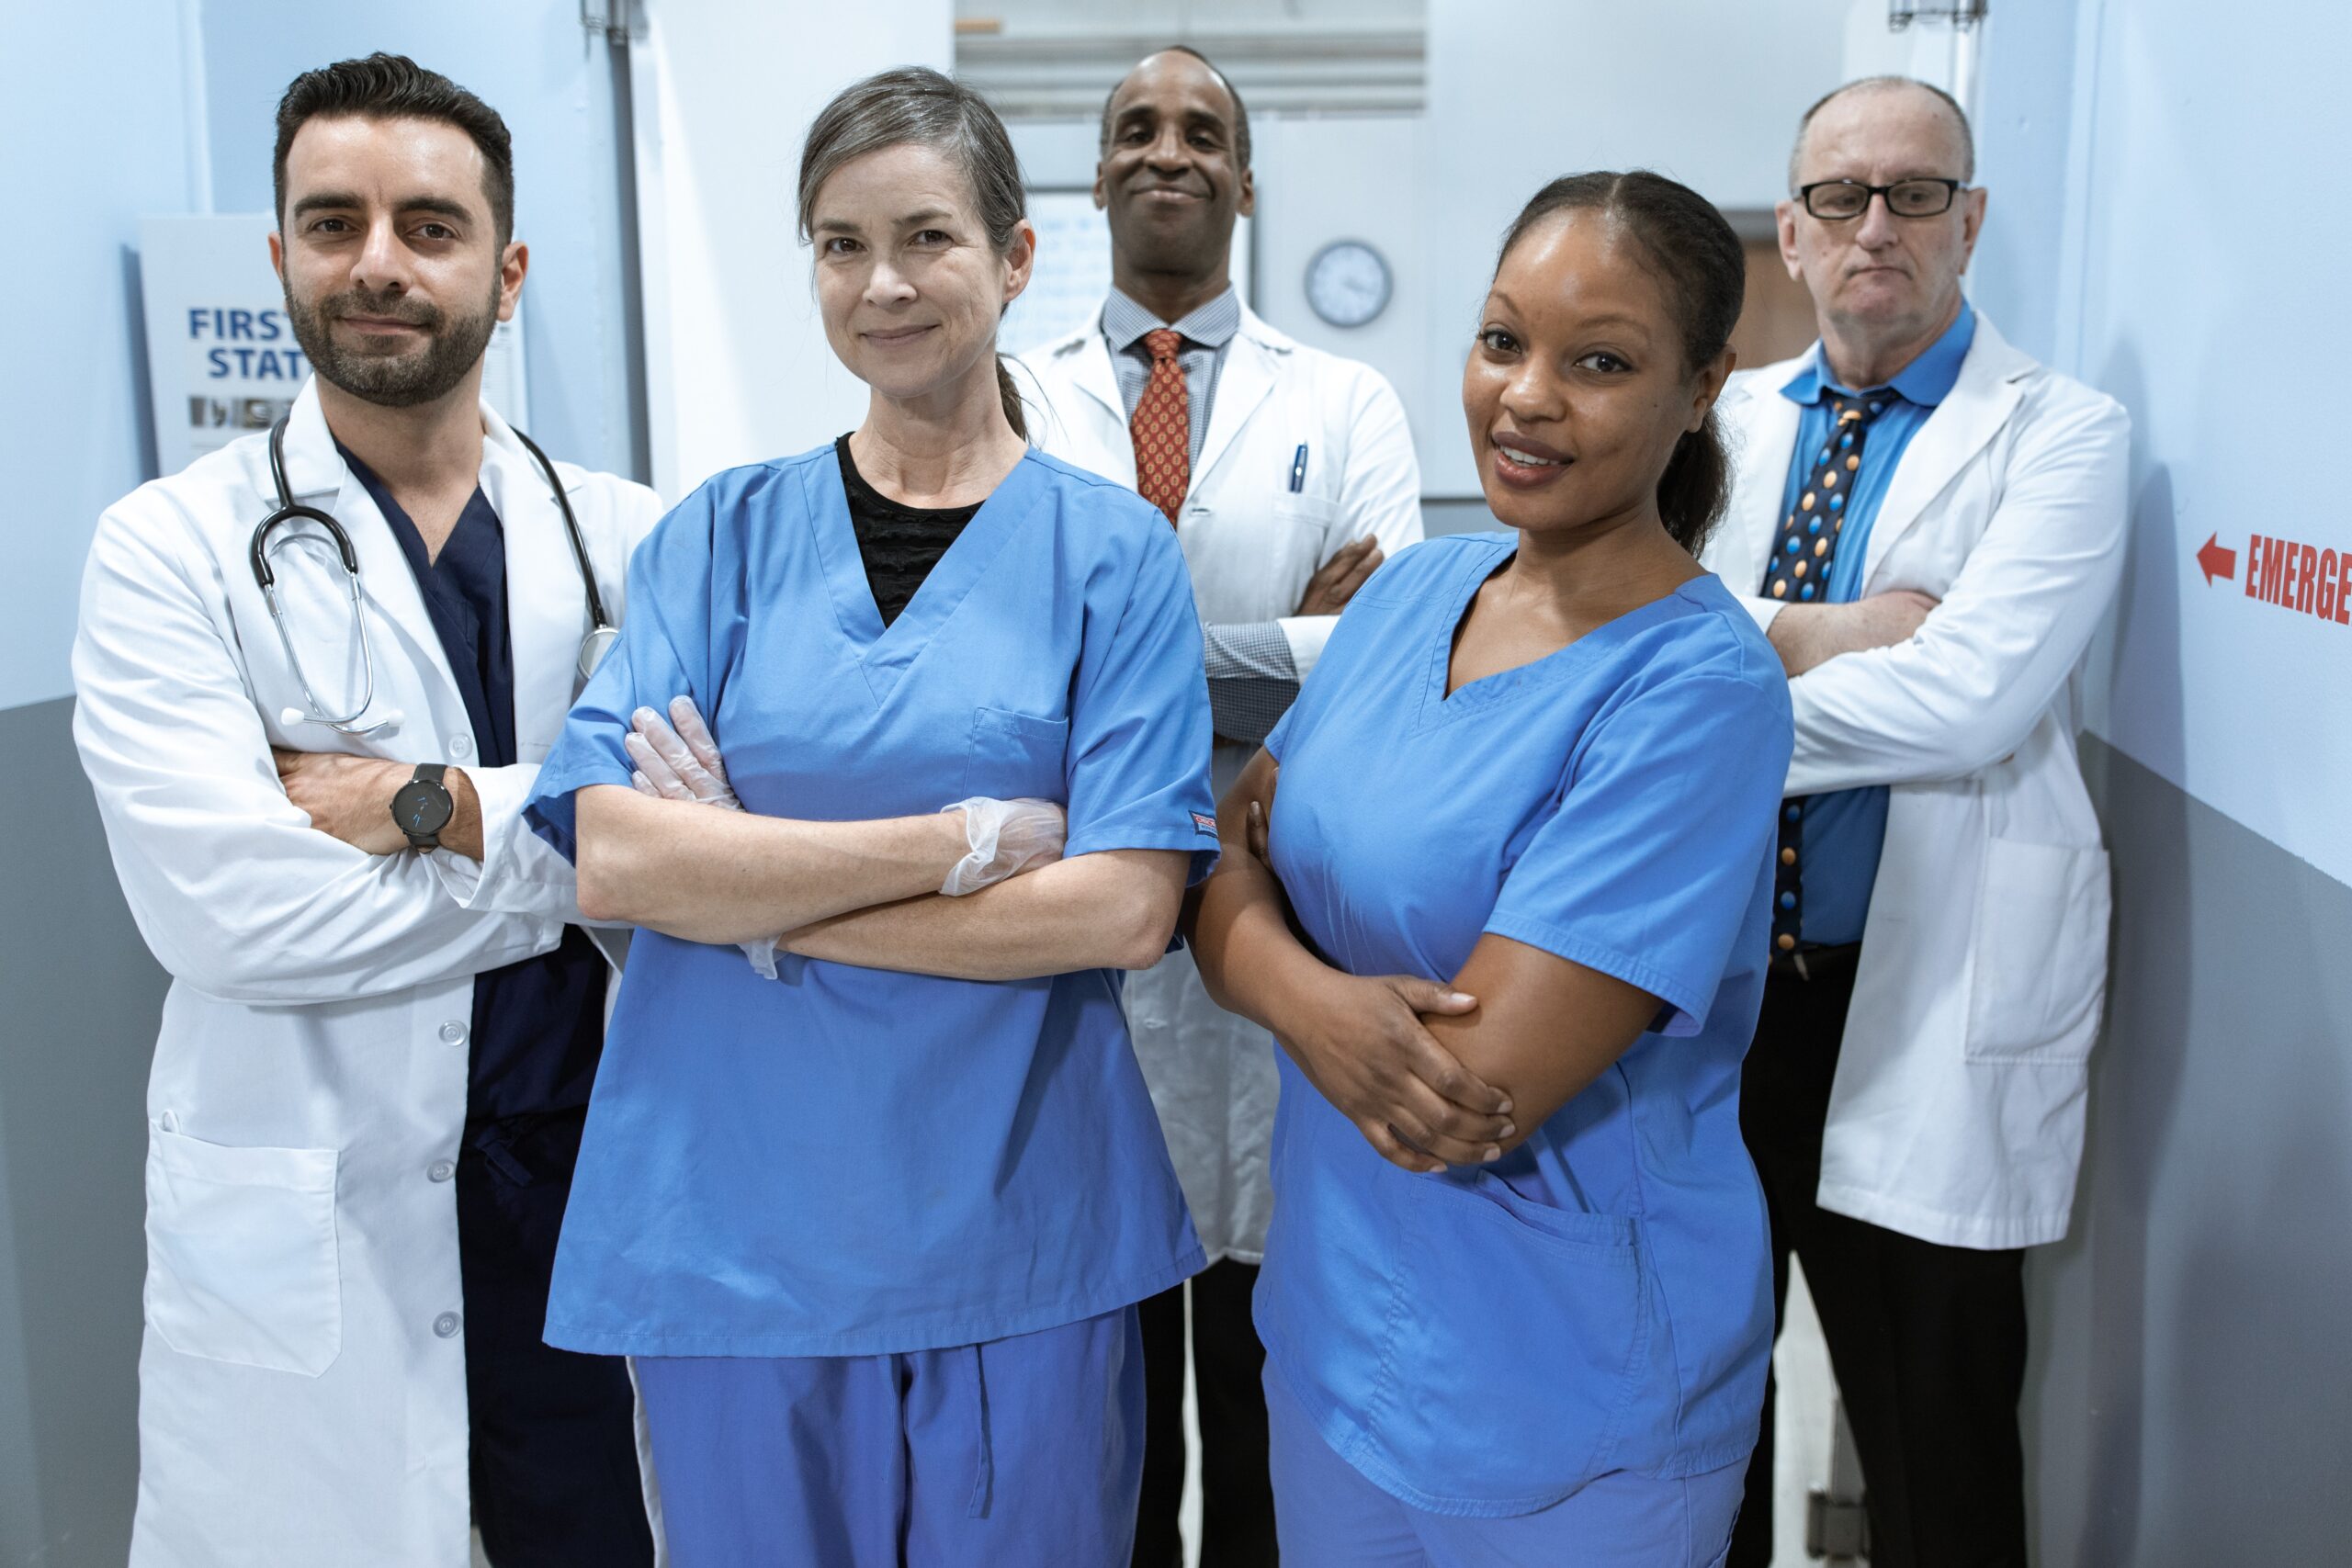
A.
pixel 900 544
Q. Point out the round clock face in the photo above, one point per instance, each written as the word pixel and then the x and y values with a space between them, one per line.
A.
pixel 1347 283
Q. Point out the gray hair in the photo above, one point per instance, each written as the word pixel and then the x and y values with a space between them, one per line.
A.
pixel 916 106
pixel 1883 83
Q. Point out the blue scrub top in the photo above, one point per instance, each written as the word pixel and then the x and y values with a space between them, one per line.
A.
pixel 856 1162
pixel 1484 1341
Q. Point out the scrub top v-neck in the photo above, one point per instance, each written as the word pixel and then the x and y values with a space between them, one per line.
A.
pixel 900 544
pixel 849 1161
pixel 1484 1341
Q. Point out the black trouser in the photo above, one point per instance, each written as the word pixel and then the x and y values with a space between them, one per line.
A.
pixel 1236 1499
pixel 554 1454
pixel 1928 1342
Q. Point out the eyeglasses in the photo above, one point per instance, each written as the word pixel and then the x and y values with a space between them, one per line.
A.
pixel 1837 201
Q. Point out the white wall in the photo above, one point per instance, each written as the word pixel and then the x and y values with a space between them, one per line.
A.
pixel 73 421
pixel 1348 177
pixel 2160 224
pixel 550 79
pixel 1519 93
pixel 736 366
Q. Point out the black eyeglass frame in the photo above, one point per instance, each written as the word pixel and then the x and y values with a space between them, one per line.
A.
pixel 1870 193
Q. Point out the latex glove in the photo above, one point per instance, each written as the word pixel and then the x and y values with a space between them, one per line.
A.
pixel 1007 838
pixel 683 764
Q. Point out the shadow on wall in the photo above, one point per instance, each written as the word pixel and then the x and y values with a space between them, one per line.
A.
pixel 2187 1408
pixel 82 997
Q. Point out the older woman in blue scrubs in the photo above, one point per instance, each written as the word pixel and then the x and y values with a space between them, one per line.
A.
pixel 873 1228
pixel 1516 1298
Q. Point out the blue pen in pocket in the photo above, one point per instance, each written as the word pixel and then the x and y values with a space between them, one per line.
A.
pixel 1298 469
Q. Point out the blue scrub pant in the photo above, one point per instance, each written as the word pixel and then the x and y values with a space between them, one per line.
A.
pixel 1328 1516
pixel 1016 1453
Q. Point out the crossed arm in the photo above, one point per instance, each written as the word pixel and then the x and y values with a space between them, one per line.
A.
pixel 1430 1074
pixel 862 893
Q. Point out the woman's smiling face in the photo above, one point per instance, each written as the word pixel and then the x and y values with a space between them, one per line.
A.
pixel 909 285
pixel 1577 389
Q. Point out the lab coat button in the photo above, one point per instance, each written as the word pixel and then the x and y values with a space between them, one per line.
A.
pixel 454 1033
pixel 440 1170
pixel 460 746
pixel 445 1326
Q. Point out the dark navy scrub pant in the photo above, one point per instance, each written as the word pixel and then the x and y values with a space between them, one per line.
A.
pixel 555 1474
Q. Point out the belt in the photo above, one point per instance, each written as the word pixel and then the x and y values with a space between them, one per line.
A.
pixel 1819 963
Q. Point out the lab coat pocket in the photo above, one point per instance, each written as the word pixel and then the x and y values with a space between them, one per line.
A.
pixel 1015 756
pixel 1527 1334
pixel 1312 513
pixel 2038 971
pixel 242 1261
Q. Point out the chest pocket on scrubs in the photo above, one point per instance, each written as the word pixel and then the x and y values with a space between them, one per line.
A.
pixel 1016 755
pixel 242 1261
pixel 1505 1382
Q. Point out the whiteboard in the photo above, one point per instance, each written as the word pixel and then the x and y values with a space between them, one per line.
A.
pixel 1073 271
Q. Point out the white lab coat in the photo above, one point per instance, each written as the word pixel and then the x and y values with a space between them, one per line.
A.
pixel 1252 545
pixel 1956 1115
pixel 303 1394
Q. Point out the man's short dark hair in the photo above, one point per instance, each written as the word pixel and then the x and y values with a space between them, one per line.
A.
pixel 394 86
pixel 1967 170
pixel 1240 113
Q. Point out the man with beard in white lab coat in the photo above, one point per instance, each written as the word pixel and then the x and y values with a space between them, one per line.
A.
pixel 1288 474
pixel 1930 526
pixel 384 1018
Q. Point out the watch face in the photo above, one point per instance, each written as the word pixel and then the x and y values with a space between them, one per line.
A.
pixel 1347 283
pixel 421 808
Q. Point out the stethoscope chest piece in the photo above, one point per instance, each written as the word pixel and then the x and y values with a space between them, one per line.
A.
pixel 595 645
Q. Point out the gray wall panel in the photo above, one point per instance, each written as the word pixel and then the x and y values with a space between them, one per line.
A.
pixel 81 997
pixel 2189 1404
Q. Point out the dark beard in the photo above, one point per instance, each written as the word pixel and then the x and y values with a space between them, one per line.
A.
pixel 452 346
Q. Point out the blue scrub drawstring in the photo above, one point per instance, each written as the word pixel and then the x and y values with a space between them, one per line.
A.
pixel 984 1482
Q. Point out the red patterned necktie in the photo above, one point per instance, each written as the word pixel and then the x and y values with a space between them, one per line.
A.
pixel 1163 427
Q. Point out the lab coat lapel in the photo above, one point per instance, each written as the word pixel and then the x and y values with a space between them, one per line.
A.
pixel 1079 415
pixel 1248 376
pixel 318 477
pixel 1981 402
pixel 547 609
pixel 1767 429
pixel 1089 366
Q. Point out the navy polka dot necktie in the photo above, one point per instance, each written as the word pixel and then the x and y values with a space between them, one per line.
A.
pixel 1798 573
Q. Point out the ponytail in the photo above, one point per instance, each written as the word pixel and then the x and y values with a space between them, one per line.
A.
pixel 1012 395
pixel 1696 486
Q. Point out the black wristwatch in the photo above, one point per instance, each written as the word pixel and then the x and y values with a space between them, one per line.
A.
pixel 421 806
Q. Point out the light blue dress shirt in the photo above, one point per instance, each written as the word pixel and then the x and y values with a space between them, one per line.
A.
pixel 1844 832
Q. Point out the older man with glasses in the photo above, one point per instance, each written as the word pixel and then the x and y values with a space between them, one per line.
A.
pixel 1929 525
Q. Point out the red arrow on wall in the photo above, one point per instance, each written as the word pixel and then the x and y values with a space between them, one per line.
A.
pixel 2216 561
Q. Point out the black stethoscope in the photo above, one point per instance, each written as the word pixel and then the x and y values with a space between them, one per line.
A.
pixel 601 633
